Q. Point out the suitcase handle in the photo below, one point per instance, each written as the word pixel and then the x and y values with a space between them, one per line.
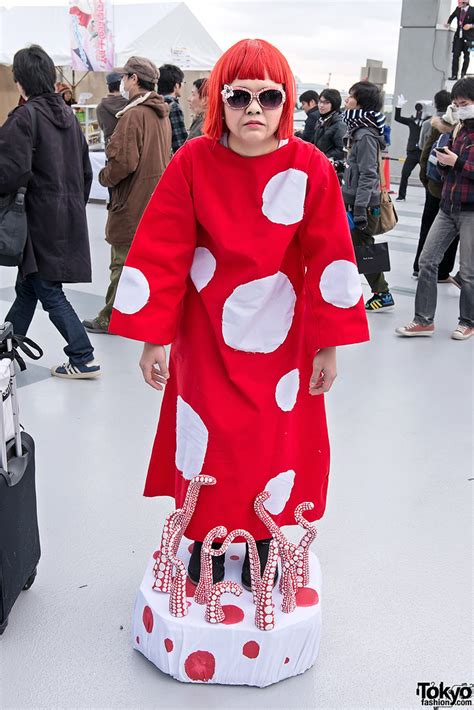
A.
pixel 17 466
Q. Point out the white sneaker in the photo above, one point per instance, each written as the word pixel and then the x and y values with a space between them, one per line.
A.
pixel 462 332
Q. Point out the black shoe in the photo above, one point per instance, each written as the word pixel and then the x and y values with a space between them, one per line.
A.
pixel 453 78
pixel 194 566
pixel 400 199
pixel 263 548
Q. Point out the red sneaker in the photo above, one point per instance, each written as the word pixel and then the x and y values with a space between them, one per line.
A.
pixel 414 330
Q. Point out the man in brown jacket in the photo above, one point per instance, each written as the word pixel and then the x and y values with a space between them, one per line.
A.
pixel 137 154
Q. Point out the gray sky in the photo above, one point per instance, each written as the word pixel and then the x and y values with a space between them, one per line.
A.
pixel 318 37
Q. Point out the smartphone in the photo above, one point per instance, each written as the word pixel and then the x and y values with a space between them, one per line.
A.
pixel 442 150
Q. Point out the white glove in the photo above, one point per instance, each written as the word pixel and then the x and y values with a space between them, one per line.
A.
pixel 401 101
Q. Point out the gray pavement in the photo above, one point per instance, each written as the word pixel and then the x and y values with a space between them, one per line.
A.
pixel 394 544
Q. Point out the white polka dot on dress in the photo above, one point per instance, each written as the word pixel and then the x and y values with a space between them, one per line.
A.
pixel 340 284
pixel 287 390
pixel 133 291
pixel 258 315
pixel 284 196
pixel 280 488
pixel 203 267
pixel 191 440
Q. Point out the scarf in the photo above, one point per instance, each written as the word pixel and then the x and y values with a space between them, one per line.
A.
pixel 358 118
pixel 322 120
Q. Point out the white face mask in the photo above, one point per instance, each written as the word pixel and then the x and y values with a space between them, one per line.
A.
pixel 123 91
pixel 465 112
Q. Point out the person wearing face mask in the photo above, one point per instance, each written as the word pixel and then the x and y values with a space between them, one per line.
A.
pixel 330 129
pixel 137 154
pixel 463 37
pixel 455 217
pixel 110 105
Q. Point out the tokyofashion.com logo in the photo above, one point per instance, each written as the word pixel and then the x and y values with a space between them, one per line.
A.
pixel 442 695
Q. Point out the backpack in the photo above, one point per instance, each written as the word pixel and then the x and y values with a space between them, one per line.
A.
pixel 432 171
pixel 13 223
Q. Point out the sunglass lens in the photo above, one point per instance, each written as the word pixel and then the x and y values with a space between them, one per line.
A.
pixel 240 99
pixel 271 98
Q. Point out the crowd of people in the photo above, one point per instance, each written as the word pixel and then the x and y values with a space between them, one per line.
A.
pixel 143 126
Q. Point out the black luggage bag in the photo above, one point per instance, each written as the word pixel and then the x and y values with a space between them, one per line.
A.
pixel 19 535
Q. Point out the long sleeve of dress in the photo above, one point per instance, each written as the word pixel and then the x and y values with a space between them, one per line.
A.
pixel 335 313
pixel 153 282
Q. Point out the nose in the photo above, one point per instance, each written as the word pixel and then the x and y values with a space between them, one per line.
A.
pixel 254 106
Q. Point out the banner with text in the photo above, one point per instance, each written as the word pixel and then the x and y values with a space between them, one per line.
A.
pixel 92 42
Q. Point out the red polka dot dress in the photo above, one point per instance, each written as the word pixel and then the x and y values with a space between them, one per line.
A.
pixel 246 266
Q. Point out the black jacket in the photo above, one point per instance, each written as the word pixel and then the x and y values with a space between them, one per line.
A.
pixel 106 113
pixel 468 20
pixel 414 125
pixel 329 135
pixel 59 179
pixel 312 117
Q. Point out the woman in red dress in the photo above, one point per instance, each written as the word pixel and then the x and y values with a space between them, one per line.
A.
pixel 243 261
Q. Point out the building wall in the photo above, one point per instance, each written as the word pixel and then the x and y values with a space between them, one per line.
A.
pixel 424 62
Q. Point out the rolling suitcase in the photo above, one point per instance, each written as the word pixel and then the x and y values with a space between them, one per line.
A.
pixel 19 536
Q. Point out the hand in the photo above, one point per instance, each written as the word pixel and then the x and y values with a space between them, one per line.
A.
pixel 401 101
pixel 447 158
pixel 360 219
pixel 467 27
pixel 153 365
pixel 324 371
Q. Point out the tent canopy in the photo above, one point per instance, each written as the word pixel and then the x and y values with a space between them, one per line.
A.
pixel 163 32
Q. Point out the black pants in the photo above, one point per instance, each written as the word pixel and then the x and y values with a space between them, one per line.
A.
pixel 412 160
pixel 460 46
pixel 429 214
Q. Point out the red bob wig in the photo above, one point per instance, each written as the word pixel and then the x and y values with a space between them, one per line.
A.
pixel 249 59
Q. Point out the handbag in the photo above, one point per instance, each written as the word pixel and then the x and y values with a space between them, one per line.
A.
pixel 13 221
pixel 388 214
pixel 372 258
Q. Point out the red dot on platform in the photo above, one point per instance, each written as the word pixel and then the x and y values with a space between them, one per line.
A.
pixel 306 596
pixel 137 639
pixel 191 547
pixel 148 619
pixel 190 588
pixel 200 666
pixel 169 645
pixel 234 557
pixel 233 614
pixel 251 649
pixel 287 660
pixel 189 603
pixel 156 554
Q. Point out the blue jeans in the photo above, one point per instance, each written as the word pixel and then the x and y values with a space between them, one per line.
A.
pixel 61 314
pixel 444 231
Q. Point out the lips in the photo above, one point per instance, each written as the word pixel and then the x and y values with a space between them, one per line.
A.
pixel 253 123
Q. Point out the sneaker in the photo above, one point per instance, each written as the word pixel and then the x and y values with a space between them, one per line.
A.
pixel 462 332
pixel 413 330
pixel 194 565
pixel 96 325
pixel 69 371
pixel 400 199
pixel 415 275
pixel 456 280
pixel 379 301
pixel 453 78
pixel 263 548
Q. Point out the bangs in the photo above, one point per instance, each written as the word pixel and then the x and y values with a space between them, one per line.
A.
pixel 249 59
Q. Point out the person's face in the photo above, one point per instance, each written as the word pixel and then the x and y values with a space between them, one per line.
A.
pixel 463 3
pixel 195 102
pixel 351 102
pixel 308 105
pixel 253 124
pixel 462 102
pixel 67 96
pixel 324 106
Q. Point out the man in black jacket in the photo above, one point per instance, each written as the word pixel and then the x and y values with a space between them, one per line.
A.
pixel 463 37
pixel 56 169
pixel 414 124
pixel 309 103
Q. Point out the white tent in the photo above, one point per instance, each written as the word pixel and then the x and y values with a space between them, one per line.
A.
pixel 163 32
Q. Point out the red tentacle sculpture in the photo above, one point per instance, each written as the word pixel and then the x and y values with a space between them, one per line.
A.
pixel 214 611
pixel 265 607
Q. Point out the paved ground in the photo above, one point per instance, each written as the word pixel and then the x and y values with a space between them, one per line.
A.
pixel 393 545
